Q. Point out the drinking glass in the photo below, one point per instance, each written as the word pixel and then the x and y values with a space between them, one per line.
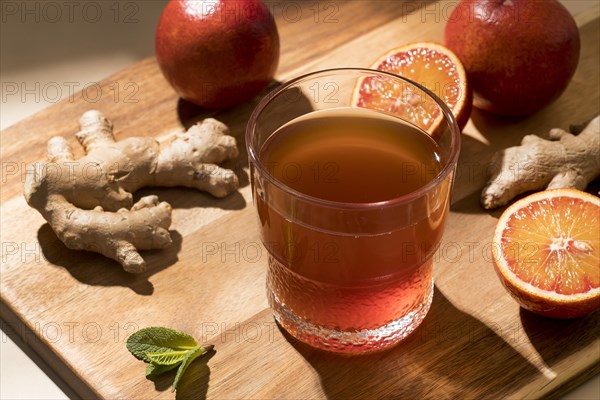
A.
pixel 351 276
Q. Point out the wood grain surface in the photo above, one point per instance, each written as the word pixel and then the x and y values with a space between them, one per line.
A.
pixel 75 310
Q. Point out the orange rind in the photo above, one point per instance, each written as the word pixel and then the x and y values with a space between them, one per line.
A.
pixel 546 251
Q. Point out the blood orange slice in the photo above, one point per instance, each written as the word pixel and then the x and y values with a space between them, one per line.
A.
pixel 429 64
pixel 547 252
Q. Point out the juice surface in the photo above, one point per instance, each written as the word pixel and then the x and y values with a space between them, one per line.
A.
pixel 351 155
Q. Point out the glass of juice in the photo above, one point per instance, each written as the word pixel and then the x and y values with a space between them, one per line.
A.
pixel 351 172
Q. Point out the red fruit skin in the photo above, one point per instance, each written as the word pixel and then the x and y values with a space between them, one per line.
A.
pixel 520 55
pixel 540 306
pixel 217 54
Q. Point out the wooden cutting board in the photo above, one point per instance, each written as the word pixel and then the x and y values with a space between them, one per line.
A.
pixel 73 311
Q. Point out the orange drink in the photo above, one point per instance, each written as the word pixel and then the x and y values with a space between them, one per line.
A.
pixel 351 203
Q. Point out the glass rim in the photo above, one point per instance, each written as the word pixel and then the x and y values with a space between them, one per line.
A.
pixel 450 163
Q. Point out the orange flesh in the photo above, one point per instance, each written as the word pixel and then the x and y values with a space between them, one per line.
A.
pixel 425 66
pixel 553 245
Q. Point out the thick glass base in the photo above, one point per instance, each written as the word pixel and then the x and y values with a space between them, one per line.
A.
pixel 357 341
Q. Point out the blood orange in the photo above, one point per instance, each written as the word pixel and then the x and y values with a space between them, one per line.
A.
pixel 433 66
pixel 547 252
pixel 516 64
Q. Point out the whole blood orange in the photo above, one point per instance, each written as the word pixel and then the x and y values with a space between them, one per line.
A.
pixel 217 53
pixel 519 54
pixel 547 252
pixel 429 64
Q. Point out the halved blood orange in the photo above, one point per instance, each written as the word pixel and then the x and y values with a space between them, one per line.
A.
pixel 547 252
pixel 429 64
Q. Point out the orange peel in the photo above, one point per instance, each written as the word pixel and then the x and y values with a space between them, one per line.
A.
pixel 547 252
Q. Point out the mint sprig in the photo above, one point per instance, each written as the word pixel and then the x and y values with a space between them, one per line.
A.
pixel 153 369
pixel 165 349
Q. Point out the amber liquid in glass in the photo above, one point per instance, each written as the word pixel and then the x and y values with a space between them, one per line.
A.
pixel 336 279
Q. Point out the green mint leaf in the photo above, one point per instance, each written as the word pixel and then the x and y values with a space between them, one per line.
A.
pixel 190 356
pixel 158 340
pixel 167 357
pixel 154 370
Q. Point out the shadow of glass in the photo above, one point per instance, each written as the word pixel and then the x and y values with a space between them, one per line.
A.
pixel 556 339
pixel 451 355
pixel 96 270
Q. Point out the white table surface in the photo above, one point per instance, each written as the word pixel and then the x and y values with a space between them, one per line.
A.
pixel 47 48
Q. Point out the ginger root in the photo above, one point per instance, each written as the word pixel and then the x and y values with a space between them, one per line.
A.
pixel 88 202
pixel 564 161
